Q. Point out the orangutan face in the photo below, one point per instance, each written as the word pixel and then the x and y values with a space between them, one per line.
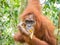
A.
pixel 30 21
pixel 28 25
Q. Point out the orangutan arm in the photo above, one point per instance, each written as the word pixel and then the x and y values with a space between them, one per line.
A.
pixel 49 41
pixel 36 41
pixel 19 37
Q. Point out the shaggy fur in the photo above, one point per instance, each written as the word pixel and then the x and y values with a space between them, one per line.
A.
pixel 44 28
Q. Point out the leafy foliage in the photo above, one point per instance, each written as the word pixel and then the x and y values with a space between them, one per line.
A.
pixel 9 13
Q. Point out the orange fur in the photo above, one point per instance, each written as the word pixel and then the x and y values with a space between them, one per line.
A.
pixel 44 28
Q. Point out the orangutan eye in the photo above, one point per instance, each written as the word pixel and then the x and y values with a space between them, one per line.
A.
pixel 29 21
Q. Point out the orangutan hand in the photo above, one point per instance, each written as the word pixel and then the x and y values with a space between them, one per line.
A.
pixel 22 29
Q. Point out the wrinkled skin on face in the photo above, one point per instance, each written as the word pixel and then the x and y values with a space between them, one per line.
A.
pixel 30 22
